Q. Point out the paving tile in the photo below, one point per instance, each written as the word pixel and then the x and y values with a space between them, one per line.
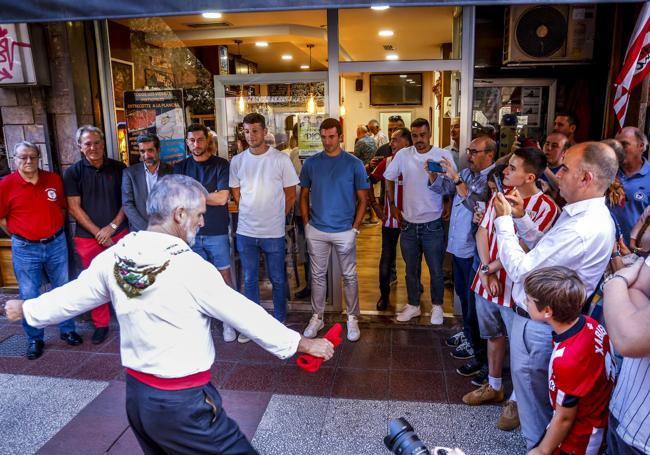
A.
pixel 126 445
pixel 231 351
pixel 457 386
pixel 417 386
pixel 359 418
pixel 245 408
pixel 99 367
pixel 257 378
pixel 255 354
pixel 14 365
pixel 360 384
pixel 274 442
pixel 295 413
pixel 293 380
pixel 220 371
pixel 415 358
pixel 347 444
pixel 365 355
pixel 411 337
pixel 56 363
pixel 374 336
pixel 432 422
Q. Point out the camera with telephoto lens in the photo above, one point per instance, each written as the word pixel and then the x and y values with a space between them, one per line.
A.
pixel 402 440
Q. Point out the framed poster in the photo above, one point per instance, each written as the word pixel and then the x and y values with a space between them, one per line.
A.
pixel 384 116
pixel 155 77
pixel 123 77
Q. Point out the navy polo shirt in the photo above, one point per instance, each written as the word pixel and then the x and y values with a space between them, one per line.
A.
pixel 213 174
pixel 637 198
pixel 100 190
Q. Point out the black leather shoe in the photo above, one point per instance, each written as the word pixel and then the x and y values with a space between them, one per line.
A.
pixel 303 293
pixel 382 304
pixel 35 349
pixel 72 338
pixel 100 335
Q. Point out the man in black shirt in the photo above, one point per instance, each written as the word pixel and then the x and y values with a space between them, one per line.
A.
pixel 93 189
pixel 212 242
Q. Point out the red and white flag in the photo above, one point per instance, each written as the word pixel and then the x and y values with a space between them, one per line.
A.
pixel 636 65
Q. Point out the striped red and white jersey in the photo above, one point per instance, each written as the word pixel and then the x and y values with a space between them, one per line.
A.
pixel 391 221
pixel 542 211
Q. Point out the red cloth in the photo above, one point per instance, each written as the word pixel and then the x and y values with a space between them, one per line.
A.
pixel 33 211
pixel 186 382
pixel 87 249
pixel 312 364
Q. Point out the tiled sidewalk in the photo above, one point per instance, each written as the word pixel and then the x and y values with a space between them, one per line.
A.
pixel 400 367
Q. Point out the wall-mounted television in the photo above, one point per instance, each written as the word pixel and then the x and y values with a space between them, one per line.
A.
pixel 396 89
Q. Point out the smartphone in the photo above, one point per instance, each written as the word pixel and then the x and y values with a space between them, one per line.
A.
pixel 497 182
pixel 434 166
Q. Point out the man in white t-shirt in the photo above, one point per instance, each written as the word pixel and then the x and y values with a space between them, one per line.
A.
pixel 420 218
pixel 263 182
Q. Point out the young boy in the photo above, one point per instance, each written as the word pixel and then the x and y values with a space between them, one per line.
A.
pixel 581 372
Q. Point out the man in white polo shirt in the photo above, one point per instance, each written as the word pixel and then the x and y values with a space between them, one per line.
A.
pixel 420 218
pixel 263 182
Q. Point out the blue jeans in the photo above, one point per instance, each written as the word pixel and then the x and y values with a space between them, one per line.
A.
pixel 426 239
pixel 463 275
pixel 213 248
pixel 30 260
pixel 249 254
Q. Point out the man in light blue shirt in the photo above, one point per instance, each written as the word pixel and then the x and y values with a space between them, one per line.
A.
pixel 332 202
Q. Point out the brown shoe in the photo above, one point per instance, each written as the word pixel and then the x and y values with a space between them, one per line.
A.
pixel 509 418
pixel 484 395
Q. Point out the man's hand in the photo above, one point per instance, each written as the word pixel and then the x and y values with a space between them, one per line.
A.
pixel 494 285
pixel 446 212
pixel 379 212
pixel 14 309
pixel 397 213
pixel 501 206
pixel 104 235
pixel 631 273
pixel 318 347
pixel 449 169
pixel 516 203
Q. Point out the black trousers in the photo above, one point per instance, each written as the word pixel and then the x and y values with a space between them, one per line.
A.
pixel 190 421
pixel 389 241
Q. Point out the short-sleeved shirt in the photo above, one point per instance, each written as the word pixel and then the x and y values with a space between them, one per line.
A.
pixel 637 198
pixel 542 211
pixel 100 190
pixel 581 373
pixel 261 180
pixel 33 211
pixel 213 175
pixel 378 175
pixel 420 204
pixel 365 148
pixel 333 183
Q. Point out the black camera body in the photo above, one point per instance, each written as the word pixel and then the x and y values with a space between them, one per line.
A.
pixel 402 439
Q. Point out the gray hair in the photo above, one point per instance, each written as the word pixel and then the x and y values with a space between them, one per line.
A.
pixel 638 134
pixel 88 129
pixel 27 144
pixel 171 192
pixel 600 160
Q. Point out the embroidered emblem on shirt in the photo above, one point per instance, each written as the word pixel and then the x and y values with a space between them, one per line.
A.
pixel 51 194
pixel 133 279
pixel 639 195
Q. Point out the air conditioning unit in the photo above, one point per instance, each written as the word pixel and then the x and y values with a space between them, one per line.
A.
pixel 549 34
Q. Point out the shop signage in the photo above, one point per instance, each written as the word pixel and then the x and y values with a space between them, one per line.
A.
pixel 309 134
pixel 158 112
pixel 16 61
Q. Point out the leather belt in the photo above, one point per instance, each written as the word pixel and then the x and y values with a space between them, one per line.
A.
pixel 520 311
pixel 45 240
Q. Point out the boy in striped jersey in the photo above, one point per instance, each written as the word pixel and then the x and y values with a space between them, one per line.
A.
pixel 491 284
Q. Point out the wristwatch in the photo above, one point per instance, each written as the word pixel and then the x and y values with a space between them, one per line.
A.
pixel 484 268
pixel 114 226
pixel 458 181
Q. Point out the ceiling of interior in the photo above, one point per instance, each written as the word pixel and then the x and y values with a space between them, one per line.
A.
pixel 418 34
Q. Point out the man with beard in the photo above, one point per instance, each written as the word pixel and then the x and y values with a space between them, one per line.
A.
pixel 165 297
pixel 212 241
pixel 139 179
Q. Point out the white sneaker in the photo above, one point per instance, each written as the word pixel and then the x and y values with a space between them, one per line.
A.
pixel 409 312
pixel 315 324
pixel 242 338
pixel 436 315
pixel 353 328
pixel 229 334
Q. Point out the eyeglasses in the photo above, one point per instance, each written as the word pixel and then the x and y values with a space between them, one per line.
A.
pixel 26 157
pixel 472 152
pixel 395 118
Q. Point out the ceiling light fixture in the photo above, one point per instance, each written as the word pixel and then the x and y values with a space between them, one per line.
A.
pixel 311 102
pixel 304 67
pixel 262 44
pixel 392 57
pixel 402 75
pixel 386 33
pixel 287 57
pixel 212 15
pixel 379 7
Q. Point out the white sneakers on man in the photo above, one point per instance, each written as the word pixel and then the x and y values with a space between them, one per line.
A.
pixel 353 328
pixel 409 312
pixel 229 333
pixel 315 324
pixel 436 315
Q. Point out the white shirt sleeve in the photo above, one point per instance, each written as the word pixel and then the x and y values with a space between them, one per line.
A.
pixel 528 230
pixel 289 176
pixel 393 170
pixel 233 180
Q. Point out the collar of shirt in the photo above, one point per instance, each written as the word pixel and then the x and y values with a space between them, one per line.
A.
pixel 583 206
pixel 86 163
pixel 146 169
pixel 645 168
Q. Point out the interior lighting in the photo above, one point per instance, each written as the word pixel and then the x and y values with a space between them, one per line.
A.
pixel 379 7
pixel 304 67
pixel 212 15
pixel 262 44
pixel 287 57
pixel 402 75
pixel 386 33
pixel 342 111
pixel 311 102
pixel 241 104
pixel 392 57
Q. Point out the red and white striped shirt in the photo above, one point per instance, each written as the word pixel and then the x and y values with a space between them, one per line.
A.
pixel 542 211
pixel 378 174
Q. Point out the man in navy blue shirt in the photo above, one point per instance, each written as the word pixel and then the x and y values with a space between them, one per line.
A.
pixel 332 202
pixel 212 242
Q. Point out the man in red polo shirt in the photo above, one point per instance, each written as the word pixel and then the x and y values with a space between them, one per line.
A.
pixel 93 186
pixel 32 207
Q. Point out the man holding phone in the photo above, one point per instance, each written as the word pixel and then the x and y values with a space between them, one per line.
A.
pixel 421 222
